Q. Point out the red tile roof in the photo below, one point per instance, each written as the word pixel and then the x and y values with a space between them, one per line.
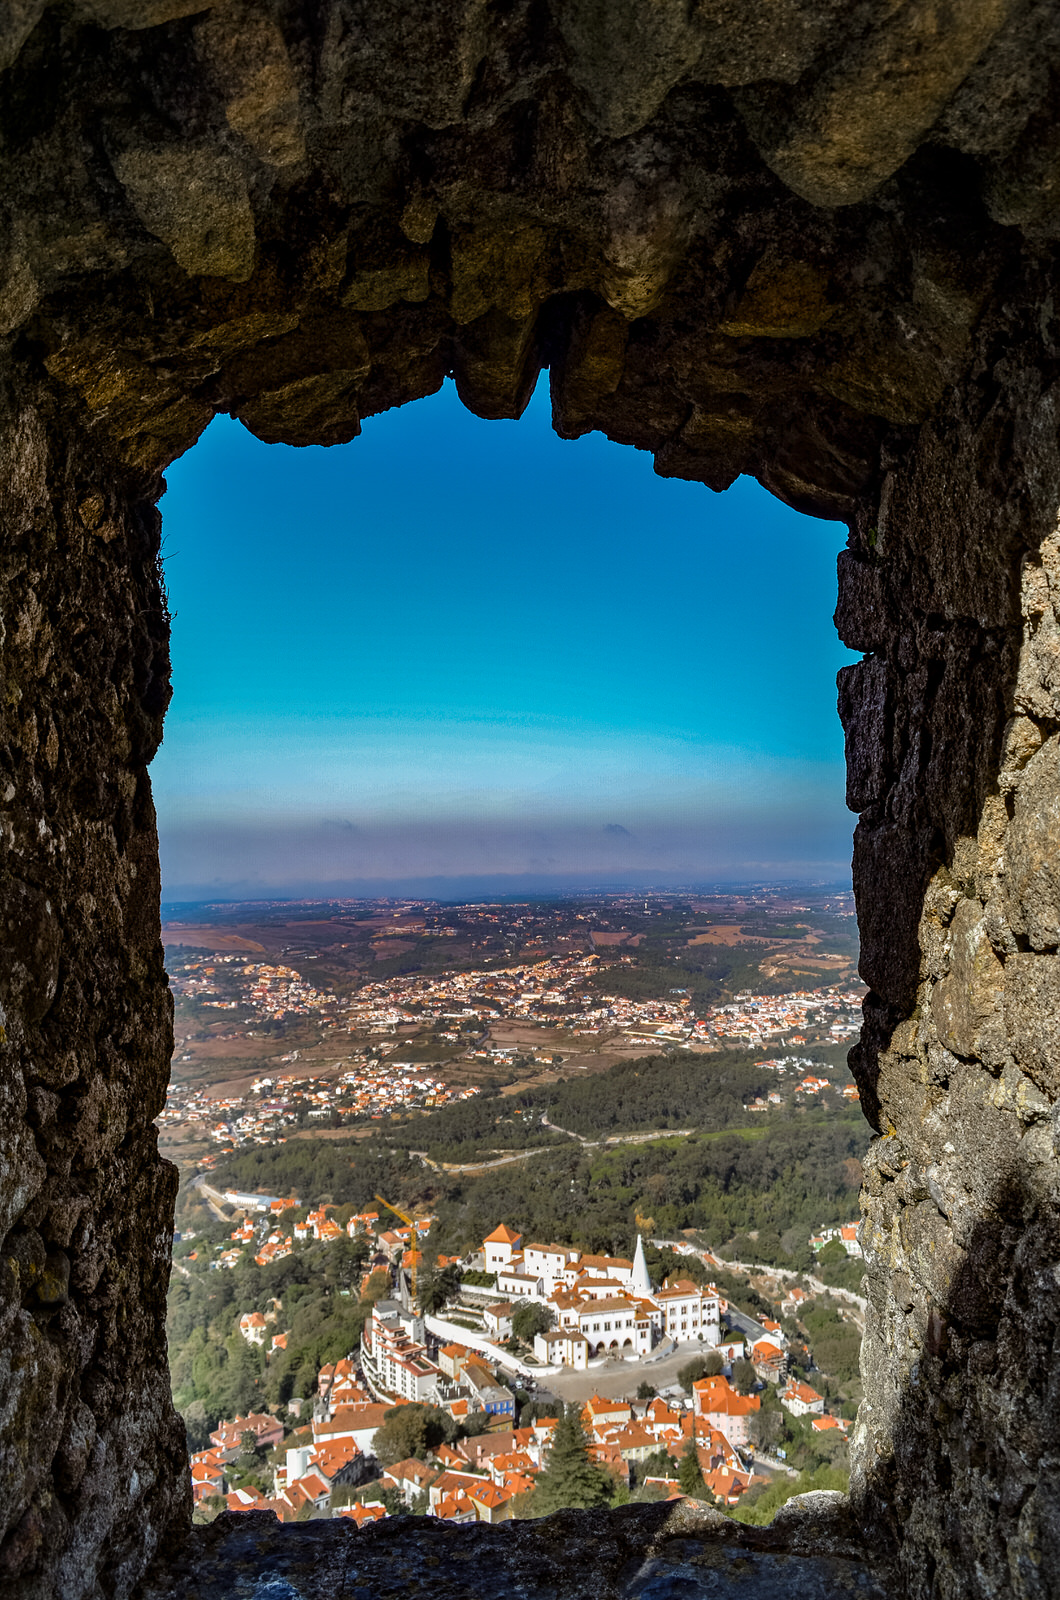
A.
pixel 718 1397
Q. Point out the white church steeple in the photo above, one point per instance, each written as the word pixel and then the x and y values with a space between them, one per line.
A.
pixel 640 1282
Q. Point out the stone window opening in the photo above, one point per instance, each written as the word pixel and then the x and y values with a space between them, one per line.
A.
pixel 840 280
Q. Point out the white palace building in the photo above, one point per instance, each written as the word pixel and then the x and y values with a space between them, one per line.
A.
pixel 601 1304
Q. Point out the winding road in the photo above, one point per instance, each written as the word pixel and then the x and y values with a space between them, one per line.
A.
pixel 479 1166
pixel 618 1138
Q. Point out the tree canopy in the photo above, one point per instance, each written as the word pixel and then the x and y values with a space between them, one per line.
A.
pixel 412 1431
pixel 530 1320
pixel 690 1473
pixel 571 1478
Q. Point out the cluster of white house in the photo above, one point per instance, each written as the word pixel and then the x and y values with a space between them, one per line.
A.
pixel 393 1353
pixel 846 1233
pixel 600 1304
pixel 395 1361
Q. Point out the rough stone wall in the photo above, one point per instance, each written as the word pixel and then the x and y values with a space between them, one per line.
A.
pixel 671 1551
pixel 952 582
pixel 813 242
pixel 91 1454
pixel 748 239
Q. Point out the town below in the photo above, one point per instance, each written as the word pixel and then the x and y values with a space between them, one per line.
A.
pixel 451 1243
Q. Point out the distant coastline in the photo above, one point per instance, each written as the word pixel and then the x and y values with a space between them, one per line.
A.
pixel 831 877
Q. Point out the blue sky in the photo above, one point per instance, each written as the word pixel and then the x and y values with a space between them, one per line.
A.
pixel 468 652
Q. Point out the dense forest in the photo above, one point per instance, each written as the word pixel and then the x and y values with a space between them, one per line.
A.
pixel 709 974
pixel 784 1177
pixel 471 1129
pixel 735 1174
pixel 680 1090
pixel 216 1373
pixel 338 1171
pixel 752 1187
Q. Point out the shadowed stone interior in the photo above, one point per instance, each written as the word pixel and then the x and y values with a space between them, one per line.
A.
pixel 640 1553
pixel 809 240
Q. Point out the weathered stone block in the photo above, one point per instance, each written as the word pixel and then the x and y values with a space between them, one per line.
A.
pixel 1032 849
pixel 671 1552
pixel 870 108
pixel 863 713
pixel 194 198
pixel 966 1005
pixel 1032 1017
pixel 246 57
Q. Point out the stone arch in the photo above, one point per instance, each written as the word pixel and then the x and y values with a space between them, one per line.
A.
pixel 789 244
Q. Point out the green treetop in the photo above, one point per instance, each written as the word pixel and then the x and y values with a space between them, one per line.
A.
pixel 690 1473
pixel 412 1431
pixel 571 1479
pixel 531 1319
pixel 437 1286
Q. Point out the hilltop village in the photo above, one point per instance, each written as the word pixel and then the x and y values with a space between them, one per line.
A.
pixel 466 1385
pixel 585 979
pixel 600 1071
pixel 378 1082
pixel 271 1107
pixel 551 992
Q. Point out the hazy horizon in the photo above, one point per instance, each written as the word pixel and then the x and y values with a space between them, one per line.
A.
pixel 470 888
pixel 490 890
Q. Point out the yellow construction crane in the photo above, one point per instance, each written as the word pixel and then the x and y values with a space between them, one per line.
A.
pixel 410 1222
